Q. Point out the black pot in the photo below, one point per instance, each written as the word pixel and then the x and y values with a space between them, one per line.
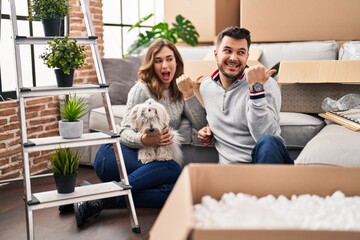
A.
pixel 65 183
pixel 64 80
pixel 53 27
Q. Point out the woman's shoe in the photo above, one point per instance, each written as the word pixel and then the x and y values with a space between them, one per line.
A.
pixel 85 211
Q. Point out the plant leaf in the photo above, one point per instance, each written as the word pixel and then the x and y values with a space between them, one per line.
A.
pixel 137 24
pixel 186 30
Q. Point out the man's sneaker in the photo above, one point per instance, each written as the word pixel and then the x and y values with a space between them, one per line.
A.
pixel 69 208
pixel 85 211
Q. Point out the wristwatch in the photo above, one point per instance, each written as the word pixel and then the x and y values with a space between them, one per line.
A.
pixel 257 87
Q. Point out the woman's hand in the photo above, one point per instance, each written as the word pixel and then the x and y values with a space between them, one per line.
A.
pixel 157 139
pixel 205 135
pixel 185 85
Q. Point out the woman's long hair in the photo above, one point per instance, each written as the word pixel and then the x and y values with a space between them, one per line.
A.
pixel 147 73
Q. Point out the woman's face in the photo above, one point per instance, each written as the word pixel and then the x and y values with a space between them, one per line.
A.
pixel 165 65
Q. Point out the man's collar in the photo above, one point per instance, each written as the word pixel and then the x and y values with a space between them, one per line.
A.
pixel 216 75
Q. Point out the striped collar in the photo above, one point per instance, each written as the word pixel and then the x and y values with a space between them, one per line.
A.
pixel 216 75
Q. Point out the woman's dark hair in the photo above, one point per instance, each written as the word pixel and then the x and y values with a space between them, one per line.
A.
pixel 147 73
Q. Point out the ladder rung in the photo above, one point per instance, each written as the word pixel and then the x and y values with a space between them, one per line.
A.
pixel 44 40
pixel 87 139
pixel 54 90
pixel 82 193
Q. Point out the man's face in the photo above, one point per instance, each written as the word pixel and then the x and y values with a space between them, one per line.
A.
pixel 231 57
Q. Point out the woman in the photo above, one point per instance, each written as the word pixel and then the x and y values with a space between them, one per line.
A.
pixel 161 78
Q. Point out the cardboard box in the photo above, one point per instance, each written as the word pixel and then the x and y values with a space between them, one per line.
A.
pixel 321 71
pixel 301 20
pixel 196 180
pixel 305 84
pixel 206 15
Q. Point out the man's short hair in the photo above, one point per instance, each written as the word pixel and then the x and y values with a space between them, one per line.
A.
pixel 234 32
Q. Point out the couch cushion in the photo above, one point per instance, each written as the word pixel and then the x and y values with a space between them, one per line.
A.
pixel 313 50
pixel 97 119
pixel 334 145
pixel 298 129
pixel 121 74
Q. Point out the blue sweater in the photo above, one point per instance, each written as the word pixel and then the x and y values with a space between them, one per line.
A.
pixel 238 121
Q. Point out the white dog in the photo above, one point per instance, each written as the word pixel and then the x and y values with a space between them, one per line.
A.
pixel 151 117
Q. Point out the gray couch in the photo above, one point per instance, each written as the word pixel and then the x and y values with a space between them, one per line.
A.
pixel 298 118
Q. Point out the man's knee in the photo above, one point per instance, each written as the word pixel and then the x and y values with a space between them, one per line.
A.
pixel 268 140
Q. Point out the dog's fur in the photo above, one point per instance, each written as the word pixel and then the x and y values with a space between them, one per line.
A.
pixel 151 117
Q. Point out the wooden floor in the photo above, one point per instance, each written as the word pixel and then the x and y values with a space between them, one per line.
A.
pixel 50 224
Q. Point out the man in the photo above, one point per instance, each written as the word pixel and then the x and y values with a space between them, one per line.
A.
pixel 242 105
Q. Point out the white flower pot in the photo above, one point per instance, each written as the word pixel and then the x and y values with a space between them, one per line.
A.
pixel 70 129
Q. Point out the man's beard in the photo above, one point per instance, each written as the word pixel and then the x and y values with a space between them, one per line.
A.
pixel 228 76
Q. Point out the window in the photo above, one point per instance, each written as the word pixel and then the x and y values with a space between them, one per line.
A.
pixel 119 16
pixel 34 72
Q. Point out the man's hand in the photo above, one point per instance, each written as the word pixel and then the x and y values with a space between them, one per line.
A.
pixel 205 135
pixel 258 74
pixel 158 139
pixel 185 85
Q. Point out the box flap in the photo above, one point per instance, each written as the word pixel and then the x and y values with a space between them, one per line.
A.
pixel 322 71
pixel 175 218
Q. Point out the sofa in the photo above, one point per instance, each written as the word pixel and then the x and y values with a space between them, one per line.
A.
pixel 302 129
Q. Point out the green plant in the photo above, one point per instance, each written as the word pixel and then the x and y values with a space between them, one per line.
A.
pixel 64 54
pixel 48 9
pixel 65 161
pixel 73 108
pixel 182 28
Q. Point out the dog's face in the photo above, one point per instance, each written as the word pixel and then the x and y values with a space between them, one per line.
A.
pixel 149 117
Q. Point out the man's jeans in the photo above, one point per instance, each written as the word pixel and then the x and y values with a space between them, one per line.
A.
pixel 151 183
pixel 270 150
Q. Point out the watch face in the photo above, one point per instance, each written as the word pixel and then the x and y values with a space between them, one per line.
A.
pixel 258 87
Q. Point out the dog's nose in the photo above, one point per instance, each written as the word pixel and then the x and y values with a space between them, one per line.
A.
pixel 151 129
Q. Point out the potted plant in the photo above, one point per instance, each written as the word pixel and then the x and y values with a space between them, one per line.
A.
pixel 65 165
pixel 182 29
pixel 65 55
pixel 70 125
pixel 51 13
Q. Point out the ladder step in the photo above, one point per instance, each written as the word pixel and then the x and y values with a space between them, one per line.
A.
pixel 87 139
pixel 54 90
pixel 84 193
pixel 25 40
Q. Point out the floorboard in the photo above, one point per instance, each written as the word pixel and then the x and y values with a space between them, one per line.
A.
pixel 50 224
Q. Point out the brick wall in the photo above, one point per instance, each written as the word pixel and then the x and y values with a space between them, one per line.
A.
pixel 42 113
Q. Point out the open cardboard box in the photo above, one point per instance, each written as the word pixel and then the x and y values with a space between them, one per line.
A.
pixel 197 180
pixel 320 71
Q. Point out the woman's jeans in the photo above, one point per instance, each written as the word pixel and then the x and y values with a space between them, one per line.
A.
pixel 270 150
pixel 151 183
